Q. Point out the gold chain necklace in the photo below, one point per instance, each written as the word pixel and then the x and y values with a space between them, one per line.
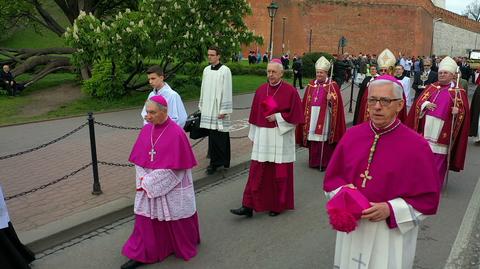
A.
pixel 268 87
pixel 366 175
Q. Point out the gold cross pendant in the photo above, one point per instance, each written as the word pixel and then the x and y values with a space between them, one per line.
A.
pixel 365 177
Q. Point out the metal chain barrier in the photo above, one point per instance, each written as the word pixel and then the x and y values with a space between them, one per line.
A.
pixel 117 126
pixel 48 184
pixel 346 87
pixel 242 108
pixel 238 137
pixel 117 164
pixel 44 145
pixel 198 142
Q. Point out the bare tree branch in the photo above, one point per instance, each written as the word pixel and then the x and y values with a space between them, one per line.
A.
pixel 473 11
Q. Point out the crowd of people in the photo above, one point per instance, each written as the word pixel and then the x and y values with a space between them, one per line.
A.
pixel 407 134
pixel 395 158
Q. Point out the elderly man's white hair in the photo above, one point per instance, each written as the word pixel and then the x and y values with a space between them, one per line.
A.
pixel 397 89
pixel 161 107
pixel 280 66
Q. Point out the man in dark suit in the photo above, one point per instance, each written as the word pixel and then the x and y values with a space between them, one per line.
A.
pixel 7 80
pixel 297 67
pixel 465 68
pixel 418 85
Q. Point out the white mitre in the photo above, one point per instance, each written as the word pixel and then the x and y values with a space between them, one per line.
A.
pixel 322 64
pixel 448 64
pixel 386 59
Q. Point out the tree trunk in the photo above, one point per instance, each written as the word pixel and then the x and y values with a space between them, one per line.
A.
pixel 35 61
pixel 50 22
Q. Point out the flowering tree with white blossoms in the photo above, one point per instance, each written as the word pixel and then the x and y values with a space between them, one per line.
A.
pixel 166 32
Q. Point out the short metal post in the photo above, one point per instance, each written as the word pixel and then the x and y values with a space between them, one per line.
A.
pixel 97 190
pixel 351 92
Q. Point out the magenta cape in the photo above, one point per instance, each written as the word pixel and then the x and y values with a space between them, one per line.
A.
pixel 402 167
pixel 173 151
pixel 286 101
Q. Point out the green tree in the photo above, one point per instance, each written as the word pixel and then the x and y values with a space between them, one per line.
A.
pixel 171 33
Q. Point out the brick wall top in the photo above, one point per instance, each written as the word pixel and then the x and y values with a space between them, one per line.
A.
pixel 434 11
pixel 456 20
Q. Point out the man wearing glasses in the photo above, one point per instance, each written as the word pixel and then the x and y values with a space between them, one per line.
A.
pixel 324 117
pixel 215 104
pixel 432 115
pixel 419 85
pixel 393 168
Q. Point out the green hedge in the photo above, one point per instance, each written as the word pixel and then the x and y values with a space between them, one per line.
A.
pixel 191 69
pixel 309 60
pixel 103 84
pixel 188 87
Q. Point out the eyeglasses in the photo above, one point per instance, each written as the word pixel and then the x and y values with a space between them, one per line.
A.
pixel 383 70
pixel 383 101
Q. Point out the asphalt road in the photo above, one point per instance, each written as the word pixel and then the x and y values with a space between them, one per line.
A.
pixel 300 238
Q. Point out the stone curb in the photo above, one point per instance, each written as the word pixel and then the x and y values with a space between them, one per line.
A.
pixel 68 228
pixel 464 234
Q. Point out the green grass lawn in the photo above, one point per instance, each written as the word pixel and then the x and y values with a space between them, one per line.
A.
pixel 43 38
pixel 11 106
pixel 28 38
pixel 47 82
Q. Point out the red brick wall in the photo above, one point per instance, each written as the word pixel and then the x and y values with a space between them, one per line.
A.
pixel 370 26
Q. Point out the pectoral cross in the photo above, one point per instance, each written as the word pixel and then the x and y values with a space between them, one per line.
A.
pixel 152 153
pixel 365 177
pixel 315 99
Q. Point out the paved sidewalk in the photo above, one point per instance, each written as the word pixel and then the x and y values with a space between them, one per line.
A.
pixel 33 212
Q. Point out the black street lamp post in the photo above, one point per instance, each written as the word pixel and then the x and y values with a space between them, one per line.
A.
pixel 272 11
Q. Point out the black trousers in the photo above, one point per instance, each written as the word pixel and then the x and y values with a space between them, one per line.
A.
pixel 13 254
pixel 11 89
pixel 219 148
pixel 299 77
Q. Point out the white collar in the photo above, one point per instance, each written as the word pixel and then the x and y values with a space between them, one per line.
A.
pixel 165 86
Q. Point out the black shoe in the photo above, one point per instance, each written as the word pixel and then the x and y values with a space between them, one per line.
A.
pixel 273 214
pixel 211 170
pixel 131 264
pixel 242 211
pixel 322 169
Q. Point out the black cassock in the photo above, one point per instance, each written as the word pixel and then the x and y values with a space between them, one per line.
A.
pixel 475 112
pixel 13 254
pixel 361 92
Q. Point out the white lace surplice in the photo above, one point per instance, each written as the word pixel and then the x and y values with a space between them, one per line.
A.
pixel 164 194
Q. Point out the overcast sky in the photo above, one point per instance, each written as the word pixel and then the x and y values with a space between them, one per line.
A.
pixel 457 6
